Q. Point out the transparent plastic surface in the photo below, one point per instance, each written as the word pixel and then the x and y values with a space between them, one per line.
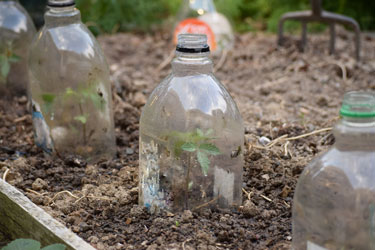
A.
pixel 70 89
pixel 191 140
pixel 201 17
pixel 334 202
pixel 16 33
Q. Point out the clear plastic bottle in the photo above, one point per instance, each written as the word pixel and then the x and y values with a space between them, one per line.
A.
pixel 201 17
pixel 70 87
pixel 16 33
pixel 334 202
pixel 191 137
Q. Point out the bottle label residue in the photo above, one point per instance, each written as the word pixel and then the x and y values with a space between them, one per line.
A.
pixel 313 246
pixel 224 183
pixel 153 197
pixel 196 26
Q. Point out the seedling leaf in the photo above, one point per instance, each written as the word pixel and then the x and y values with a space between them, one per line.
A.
pixel 48 98
pixel 23 244
pixel 210 148
pixel 188 146
pixel 204 162
pixel 97 100
pixel 70 92
pixel 55 247
pixel 5 68
pixel 14 58
pixel 81 118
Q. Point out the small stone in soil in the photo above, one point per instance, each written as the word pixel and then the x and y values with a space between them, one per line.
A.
pixel 39 184
pixel 187 216
pixel 129 151
pixel 249 209
pixel 264 140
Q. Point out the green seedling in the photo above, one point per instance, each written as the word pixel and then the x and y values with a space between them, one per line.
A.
pixel 7 58
pixel 196 144
pixel 80 96
pixel 27 244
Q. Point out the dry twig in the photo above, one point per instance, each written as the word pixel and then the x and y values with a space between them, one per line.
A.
pixel 207 203
pixel 222 60
pixel 183 243
pixel 35 192
pixel 166 62
pixel 64 192
pixel 266 198
pixel 308 134
pixel 247 193
pixel 21 119
pixel 5 174
pixel 284 138
pixel 286 204
pixel 286 152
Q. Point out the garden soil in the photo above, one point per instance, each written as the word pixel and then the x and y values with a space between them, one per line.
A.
pixel 281 93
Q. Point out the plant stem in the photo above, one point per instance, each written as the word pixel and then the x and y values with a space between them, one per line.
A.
pixel 83 125
pixel 187 182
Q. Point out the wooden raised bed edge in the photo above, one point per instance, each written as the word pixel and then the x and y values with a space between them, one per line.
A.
pixel 20 218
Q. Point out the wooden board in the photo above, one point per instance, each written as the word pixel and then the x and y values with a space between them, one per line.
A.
pixel 20 218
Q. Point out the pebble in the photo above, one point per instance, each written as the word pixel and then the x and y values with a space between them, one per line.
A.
pixel 187 216
pixel 249 209
pixel 139 99
pixel 264 140
pixel 84 226
pixel 39 184
pixel 129 151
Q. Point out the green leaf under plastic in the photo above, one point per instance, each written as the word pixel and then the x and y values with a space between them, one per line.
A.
pixel 81 118
pixel 210 148
pixel 188 146
pixel 204 162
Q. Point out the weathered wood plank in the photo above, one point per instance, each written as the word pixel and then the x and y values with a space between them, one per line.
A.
pixel 20 218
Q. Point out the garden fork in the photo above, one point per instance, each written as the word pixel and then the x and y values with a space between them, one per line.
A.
pixel 319 15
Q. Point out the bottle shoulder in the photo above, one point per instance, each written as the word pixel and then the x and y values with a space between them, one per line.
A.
pixel 15 19
pixel 354 168
pixel 73 40
pixel 192 93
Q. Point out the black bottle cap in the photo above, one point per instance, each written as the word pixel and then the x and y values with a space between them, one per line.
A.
pixel 60 3
pixel 192 43
pixel 203 49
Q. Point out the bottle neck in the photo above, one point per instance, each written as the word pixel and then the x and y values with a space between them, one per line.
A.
pixel 355 134
pixel 202 6
pixel 57 16
pixel 191 64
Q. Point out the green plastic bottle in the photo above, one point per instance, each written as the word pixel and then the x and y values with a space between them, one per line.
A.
pixel 334 202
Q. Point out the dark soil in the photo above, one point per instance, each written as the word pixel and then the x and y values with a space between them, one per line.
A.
pixel 280 92
pixel 3 240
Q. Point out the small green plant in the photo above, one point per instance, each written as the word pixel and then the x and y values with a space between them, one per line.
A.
pixel 7 58
pixel 196 144
pixel 82 96
pixel 27 244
